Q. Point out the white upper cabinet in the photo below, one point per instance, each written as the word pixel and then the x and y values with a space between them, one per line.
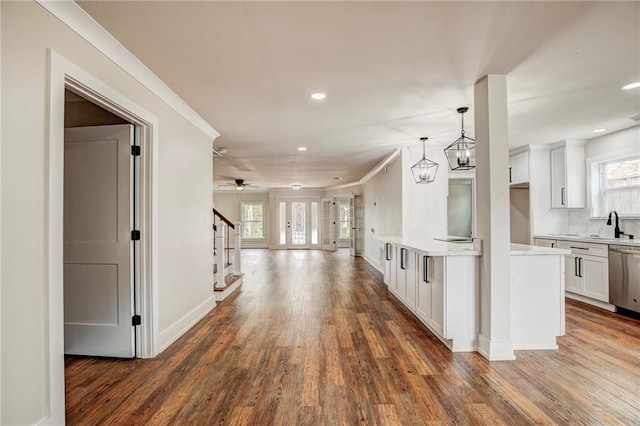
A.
pixel 519 168
pixel 568 175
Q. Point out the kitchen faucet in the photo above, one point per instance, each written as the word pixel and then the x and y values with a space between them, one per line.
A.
pixel 617 231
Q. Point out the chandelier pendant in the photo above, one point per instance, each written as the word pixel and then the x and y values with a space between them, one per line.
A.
pixel 424 171
pixel 461 153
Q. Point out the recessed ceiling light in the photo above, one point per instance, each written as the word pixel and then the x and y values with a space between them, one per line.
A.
pixel 599 130
pixel 337 178
pixel 633 85
pixel 302 148
pixel 318 96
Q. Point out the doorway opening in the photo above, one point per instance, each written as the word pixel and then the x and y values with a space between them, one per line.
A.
pixel 65 75
pixel 298 223
pixel 101 202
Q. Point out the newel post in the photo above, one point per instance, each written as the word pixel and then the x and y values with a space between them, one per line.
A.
pixel 220 257
pixel 236 246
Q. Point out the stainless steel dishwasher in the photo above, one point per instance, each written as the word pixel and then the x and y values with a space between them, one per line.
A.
pixel 624 277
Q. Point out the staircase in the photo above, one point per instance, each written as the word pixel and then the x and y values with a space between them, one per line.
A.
pixel 227 275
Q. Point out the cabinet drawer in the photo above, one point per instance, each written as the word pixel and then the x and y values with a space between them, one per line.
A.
pixel 580 247
pixel 545 242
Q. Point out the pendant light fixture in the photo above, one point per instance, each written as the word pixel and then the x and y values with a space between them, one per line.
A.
pixel 461 154
pixel 424 171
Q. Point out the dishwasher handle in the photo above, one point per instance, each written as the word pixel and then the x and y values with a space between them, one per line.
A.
pixel 625 251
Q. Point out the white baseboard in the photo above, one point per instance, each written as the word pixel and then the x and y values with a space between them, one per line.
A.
pixel 496 349
pixel 371 262
pixel 173 332
pixel 604 305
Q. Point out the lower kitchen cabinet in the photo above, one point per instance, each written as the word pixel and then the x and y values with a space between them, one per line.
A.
pixel 446 299
pixel 430 299
pixel 406 272
pixel 390 266
pixel 587 274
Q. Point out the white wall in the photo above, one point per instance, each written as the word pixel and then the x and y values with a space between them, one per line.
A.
pixel 382 209
pixel 424 205
pixel 608 147
pixel 184 202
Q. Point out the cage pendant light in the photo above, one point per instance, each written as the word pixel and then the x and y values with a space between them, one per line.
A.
pixel 424 171
pixel 461 154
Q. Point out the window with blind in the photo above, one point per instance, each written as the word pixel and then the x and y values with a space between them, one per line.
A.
pixel 253 220
pixel 619 186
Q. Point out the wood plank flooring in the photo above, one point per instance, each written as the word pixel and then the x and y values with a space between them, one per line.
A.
pixel 315 338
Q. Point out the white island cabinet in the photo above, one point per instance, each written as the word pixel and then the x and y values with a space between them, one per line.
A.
pixel 537 296
pixel 439 283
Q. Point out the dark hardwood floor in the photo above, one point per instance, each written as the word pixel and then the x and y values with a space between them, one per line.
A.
pixel 315 338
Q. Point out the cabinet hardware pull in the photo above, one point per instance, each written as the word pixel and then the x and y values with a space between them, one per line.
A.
pixel 387 249
pixel 510 180
pixel 562 196
pixel 425 269
pixel 580 248
pixel 580 267
pixel 403 254
pixel 575 266
pixel 553 245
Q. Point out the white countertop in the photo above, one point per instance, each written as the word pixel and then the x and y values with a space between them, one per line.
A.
pixel 432 247
pixel 591 239
pixel 527 250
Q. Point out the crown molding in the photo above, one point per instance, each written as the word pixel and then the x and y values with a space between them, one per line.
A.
pixel 79 21
pixel 385 161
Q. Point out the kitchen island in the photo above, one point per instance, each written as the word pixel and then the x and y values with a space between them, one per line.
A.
pixel 439 282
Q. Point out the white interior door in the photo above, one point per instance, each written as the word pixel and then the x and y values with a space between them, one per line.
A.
pixel 352 220
pixel 98 251
pixel 359 225
pixel 329 225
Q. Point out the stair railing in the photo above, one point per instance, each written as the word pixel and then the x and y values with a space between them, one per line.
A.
pixel 224 231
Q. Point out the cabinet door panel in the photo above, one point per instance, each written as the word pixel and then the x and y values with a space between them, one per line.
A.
pixel 595 276
pixel 519 168
pixel 558 179
pixel 572 281
pixel 423 296
pixel 387 254
pixel 437 294
pixel 401 273
pixel 412 273
pixel 393 283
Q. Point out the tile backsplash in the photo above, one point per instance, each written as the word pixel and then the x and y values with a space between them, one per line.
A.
pixel 581 223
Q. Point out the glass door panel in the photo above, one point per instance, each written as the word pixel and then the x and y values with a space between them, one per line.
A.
pixel 314 223
pixel 298 223
pixel 282 222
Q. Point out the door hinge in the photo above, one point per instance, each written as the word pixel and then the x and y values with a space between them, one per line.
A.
pixel 136 320
pixel 135 235
pixel 135 150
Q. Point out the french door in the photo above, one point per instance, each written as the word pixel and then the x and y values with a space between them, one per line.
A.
pixel 298 223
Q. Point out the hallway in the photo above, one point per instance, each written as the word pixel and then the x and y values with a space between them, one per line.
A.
pixel 314 337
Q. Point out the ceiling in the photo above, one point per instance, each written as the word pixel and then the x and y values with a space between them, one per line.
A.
pixel 392 71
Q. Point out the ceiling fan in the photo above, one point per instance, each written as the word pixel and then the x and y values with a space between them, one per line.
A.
pixel 239 184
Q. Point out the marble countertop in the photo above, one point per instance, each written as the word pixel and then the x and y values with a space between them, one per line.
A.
pixel 432 247
pixel 527 250
pixel 591 239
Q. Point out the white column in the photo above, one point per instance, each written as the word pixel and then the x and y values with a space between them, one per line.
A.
pixel 236 247
pixel 492 195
